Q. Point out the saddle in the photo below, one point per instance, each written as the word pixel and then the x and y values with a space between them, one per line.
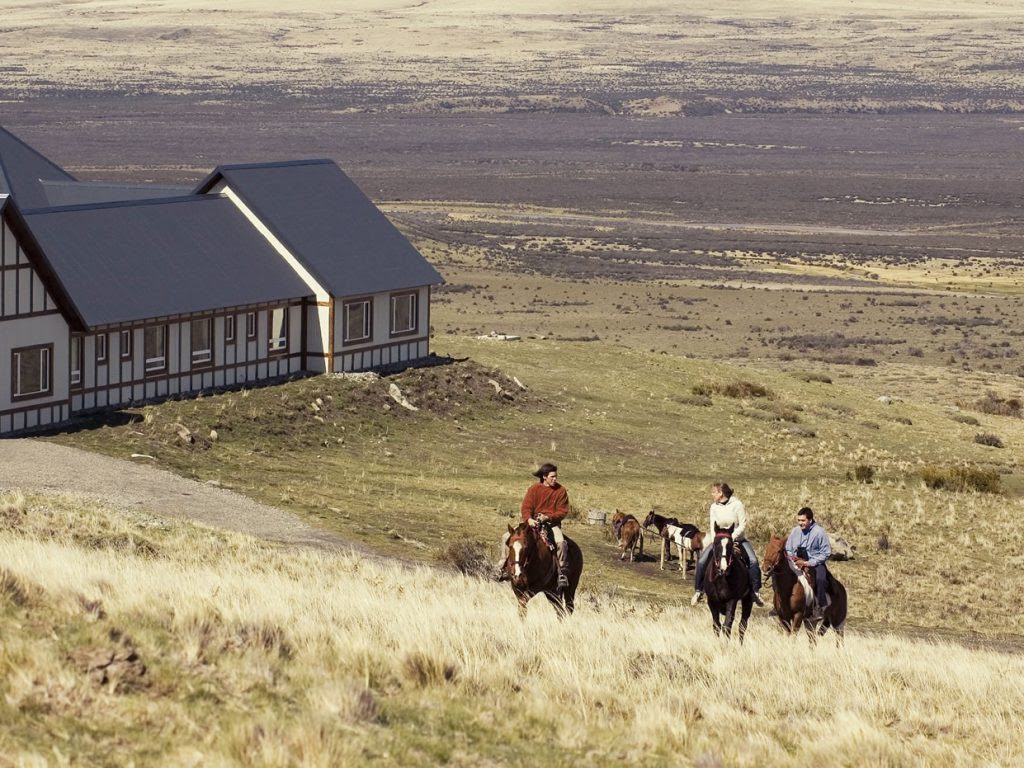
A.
pixel 547 536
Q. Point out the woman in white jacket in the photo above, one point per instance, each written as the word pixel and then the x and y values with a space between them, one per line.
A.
pixel 727 510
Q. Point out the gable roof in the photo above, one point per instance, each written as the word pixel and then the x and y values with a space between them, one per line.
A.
pixel 328 224
pixel 21 170
pixel 122 262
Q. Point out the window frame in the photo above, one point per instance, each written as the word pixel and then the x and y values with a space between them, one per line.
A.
pixel 44 370
pixel 229 329
pixel 127 341
pixel 76 378
pixel 346 337
pixel 414 316
pixel 158 363
pixel 250 325
pixel 102 348
pixel 277 344
pixel 202 358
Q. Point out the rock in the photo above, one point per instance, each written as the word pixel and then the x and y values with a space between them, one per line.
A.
pixel 518 383
pixel 889 399
pixel 398 397
pixel 841 548
pixel 143 456
pixel 495 336
pixel 497 387
pixel 213 483
pixel 213 435
pixel 119 668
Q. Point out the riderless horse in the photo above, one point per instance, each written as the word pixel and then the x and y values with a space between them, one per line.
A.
pixel 533 570
pixel 794 594
pixel 726 583
pixel 685 536
pixel 628 534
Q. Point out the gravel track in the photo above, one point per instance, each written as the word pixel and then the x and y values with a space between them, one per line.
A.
pixel 35 466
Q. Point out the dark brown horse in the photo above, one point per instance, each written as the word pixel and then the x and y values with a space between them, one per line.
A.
pixel 532 569
pixel 688 539
pixel 726 584
pixel 792 603
pixel 628 534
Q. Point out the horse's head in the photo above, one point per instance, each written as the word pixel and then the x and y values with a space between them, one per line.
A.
pixel 722 554
pixel 618 517
pixel 650 519
pixel 774 554
pixel 522 548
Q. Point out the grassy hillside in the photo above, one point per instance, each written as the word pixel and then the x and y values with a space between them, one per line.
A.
pixel 633 430
pixel 133 639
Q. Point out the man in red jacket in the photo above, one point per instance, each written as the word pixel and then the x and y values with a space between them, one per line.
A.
pixel 548 502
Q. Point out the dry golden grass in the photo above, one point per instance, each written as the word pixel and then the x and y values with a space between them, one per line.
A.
pixel 262 657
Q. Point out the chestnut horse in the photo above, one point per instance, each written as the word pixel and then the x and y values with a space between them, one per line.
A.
pixel 532 568
pixel 792 604
pixel 726 583
pixel 688 539
pixel 628 534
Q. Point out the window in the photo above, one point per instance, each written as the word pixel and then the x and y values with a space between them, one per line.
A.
pixel 278 330
pixel 31 371
pixel 202 341
pixel 357 315
pixel 229 328
pixel 126 344
pixel 403 313
pixel 155 348
pixel 76 361
pixel 101 348
pixel 250 325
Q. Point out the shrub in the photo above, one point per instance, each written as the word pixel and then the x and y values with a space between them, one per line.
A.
pixel 468 556
pixel 990 440
pixel 701 400
pixel 964 418
pixel 862 473
pixel 999 406
pixel 961 479
pixel 734 389
pixel 809 377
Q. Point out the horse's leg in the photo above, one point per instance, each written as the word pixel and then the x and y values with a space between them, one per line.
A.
pixel 716 621
pixel 556 601
pixel 664 546
pixel 748 604
pixel 730 617
pixel 523 599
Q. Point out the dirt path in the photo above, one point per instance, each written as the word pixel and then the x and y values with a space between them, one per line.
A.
pixel 34 466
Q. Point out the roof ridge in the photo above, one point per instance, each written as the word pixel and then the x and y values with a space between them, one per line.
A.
pixel 190 198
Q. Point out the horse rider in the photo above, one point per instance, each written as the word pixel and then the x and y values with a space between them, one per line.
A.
pixel 546 502
pixel 727 510
pixel 808 547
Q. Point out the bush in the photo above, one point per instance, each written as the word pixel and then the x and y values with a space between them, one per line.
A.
pixel 961 479
pixel 990 440
pixel 469 556
pixel 735 389
pixel 809 377
pixel 862 473
pixel 963 418
pixel 999 406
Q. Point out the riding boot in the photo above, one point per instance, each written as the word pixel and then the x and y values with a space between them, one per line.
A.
pixel 563 564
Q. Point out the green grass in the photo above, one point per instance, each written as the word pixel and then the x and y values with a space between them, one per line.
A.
pixel 343 455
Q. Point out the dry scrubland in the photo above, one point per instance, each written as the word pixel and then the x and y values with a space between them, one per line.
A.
pixel 129 638
pixel 634 430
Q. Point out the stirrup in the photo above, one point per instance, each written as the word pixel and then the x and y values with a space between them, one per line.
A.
pixel 563 581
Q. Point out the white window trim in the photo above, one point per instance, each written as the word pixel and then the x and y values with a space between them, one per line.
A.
pixel 157 363
pixel 44 373
pixel 367 329
pixel 200 356
pixel 413 299
pixel 278 343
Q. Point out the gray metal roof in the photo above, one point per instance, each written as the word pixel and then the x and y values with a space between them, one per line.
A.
pixel 123 262
pixel 59 193
pixel 329 225
pixel 22 168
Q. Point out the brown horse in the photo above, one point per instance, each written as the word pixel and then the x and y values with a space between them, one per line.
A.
pixel 792 603
pixel 628 534
pixel 532 569
pixel 688 539
pixel 726 584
